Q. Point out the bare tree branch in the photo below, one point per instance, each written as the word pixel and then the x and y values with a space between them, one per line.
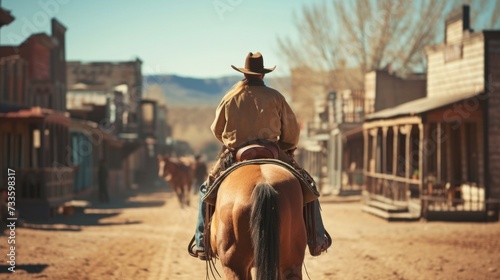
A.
pixel 341 40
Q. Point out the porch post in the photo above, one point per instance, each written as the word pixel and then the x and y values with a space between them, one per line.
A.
pixel 408 128
pixel 395 151
pixel 384 149
pixel 423 153
pixel 439 152
pixel 374 133
pixel 365 158
pixel 365 152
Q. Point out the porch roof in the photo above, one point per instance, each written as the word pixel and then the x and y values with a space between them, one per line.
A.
pixel 419 106
pixel 36 113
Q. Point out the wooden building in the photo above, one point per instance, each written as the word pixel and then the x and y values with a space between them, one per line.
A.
pixel 333 149
pixel 436 157
pixel 109 94
pixel 33 124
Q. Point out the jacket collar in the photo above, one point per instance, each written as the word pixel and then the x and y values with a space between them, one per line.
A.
pixel 255 82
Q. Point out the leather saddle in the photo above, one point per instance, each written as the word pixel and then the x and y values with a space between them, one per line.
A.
pixel 256 151
pixel 263 153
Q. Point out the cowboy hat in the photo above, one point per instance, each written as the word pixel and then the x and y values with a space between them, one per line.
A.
pixel 254 65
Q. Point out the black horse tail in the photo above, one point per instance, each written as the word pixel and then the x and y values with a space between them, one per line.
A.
pixel 265 231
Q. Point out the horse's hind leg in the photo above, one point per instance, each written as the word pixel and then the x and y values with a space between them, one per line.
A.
pixel 179 193
pixel 187 194
pixel 237 273
pixel 293 272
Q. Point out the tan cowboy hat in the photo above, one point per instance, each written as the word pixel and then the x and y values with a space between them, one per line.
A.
pixel 254 65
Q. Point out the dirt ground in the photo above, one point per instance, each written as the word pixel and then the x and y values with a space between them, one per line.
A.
pixel 145 237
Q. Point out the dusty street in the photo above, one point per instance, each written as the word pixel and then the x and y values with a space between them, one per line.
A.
pixel 146 235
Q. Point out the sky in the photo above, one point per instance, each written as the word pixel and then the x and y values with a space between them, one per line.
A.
pixel 195 38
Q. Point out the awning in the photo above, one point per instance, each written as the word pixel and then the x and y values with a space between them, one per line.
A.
pixel 420 106
pixel 37 113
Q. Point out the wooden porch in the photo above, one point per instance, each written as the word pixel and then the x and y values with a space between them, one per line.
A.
pixel 33 144
pixel 430 164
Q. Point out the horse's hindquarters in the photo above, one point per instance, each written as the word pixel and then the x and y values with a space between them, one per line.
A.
pixel 230 228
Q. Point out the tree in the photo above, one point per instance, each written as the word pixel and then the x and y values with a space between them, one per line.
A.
pixel 369 35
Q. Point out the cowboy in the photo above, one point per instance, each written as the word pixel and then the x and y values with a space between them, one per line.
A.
pixel 250 111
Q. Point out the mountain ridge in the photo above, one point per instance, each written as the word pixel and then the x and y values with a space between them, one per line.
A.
pixel 181 91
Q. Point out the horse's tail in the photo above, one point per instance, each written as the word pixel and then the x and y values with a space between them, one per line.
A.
pixel 265 225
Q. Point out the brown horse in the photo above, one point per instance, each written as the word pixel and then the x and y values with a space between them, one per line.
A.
pixel 258 222
pixel 179 173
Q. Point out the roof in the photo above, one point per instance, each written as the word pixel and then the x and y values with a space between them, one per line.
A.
pixel 5 17
pixel 419 106
pixel 42 38
pixel 37 113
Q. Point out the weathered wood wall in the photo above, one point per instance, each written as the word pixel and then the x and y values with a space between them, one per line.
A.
pixel 493 87
pixel 449 73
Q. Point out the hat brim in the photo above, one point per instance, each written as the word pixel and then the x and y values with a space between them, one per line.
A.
pixel 246 71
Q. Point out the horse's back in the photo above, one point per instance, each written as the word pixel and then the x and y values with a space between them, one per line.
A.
pixel 231 224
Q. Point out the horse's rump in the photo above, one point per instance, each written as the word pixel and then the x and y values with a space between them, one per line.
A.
pixel 258 214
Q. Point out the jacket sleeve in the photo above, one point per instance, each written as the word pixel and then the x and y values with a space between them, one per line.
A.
pixel 290 128
pixel 219 122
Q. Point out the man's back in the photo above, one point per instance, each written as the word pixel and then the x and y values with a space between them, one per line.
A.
pixel 250 111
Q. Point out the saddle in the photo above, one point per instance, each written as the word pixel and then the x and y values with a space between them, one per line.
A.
pixel 256 151
pixel 263 154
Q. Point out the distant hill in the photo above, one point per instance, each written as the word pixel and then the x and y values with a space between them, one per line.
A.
pixel 188 92
pixel 191 105
pixel 185 91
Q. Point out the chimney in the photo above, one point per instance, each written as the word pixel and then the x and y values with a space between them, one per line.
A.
pixel 457 22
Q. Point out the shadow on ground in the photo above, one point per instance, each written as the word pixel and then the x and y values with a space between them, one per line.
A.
pixel 92 212
pixel 75 222
pixel 30 268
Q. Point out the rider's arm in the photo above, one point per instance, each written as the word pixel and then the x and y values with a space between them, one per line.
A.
pixel 290 129
pixel 219 122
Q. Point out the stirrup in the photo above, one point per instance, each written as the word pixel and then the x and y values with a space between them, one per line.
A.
pixel 193 252
pixel 318 250
pixel 192 248
pixel 328 240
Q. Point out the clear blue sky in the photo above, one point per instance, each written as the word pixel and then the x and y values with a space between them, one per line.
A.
pixel 199 38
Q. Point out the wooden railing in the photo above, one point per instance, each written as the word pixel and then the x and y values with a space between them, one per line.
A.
pixel 454 196
pixel 54 185
pixel 392 187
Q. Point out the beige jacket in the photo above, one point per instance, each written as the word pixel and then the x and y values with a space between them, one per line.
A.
pixel 251 111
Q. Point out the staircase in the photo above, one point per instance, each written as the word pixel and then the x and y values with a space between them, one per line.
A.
pixel 391 212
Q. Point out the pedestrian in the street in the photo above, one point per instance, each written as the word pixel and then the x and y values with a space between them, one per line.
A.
pixel 103 181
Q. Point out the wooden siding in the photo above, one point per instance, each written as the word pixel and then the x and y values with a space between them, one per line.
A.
pixel 493 86
pixel 13 86
pixel 454 32
pixel 108 75
pixel 463 75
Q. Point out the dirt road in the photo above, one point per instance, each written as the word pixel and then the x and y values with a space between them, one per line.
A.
pixel 145 237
